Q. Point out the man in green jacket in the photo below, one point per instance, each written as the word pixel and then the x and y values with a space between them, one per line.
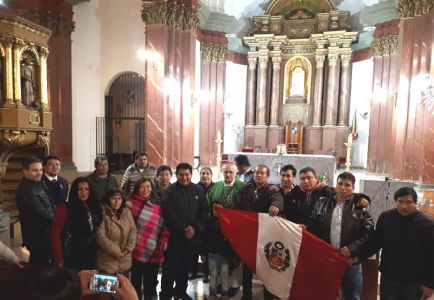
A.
pixel 225 192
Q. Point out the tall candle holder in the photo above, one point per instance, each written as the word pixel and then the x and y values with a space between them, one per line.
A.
pixel 218 160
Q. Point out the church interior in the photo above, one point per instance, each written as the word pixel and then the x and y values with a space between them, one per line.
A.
pixel 331 84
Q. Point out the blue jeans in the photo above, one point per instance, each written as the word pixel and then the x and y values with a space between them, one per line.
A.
pixel 392 290
pixel 219 269
pixel 352 282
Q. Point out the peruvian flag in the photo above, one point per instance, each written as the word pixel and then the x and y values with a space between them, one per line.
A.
pixel 291 262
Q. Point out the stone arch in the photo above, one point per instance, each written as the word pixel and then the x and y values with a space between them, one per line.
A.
pixel 124 121
pixel 283 7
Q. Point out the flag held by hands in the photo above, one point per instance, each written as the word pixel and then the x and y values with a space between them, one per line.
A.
pixel 291 262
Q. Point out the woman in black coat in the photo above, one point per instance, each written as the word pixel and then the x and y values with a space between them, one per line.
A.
pixel 81 216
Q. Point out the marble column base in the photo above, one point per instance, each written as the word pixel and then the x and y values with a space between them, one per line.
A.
pixel 334 137
pixel 342 133
pixel 256 137
pixel 275 136
pixel 328 141
pixel 312 140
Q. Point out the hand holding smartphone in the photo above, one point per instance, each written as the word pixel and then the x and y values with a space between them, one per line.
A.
pixel 103 283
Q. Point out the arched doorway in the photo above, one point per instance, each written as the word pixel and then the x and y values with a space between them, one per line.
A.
pixel 124 121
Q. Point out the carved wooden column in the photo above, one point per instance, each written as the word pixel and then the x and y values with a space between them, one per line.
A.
pixel 276 59
pixel 261 101
pixel 251 88
pixel 43 78
pixel 333 75
pixel 319 81
pixel 17 75
pixel 344 91
pixel 9 86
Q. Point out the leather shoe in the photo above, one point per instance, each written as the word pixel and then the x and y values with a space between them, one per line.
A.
pixel 233 291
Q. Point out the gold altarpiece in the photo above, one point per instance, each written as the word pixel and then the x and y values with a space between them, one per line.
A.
pixel 299 70
pixel 25 116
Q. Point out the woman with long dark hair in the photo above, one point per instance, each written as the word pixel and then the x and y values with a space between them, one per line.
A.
pixel 152 238
pixel 74 227
pixel 116 237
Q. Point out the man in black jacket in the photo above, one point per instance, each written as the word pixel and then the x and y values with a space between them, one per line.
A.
pixel 36 212
pixel 56 184
pixel 101 180
pixel 406 236
pixel 340 221
pixel 258 196
pixel 299 201
pixel 185 214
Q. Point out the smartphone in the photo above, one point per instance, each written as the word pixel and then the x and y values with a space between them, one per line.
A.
pixel 102 283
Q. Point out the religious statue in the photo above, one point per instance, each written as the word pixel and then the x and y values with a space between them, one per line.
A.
pixel 27 83
pixel 297 82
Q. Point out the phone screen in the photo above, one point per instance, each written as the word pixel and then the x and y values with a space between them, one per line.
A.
pixel 102 283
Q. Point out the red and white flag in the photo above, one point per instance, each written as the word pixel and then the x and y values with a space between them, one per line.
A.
pixel 291 262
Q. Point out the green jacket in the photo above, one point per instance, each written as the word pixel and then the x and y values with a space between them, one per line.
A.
pixel 224 194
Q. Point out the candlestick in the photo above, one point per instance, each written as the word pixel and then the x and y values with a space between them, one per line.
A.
pixel 218 142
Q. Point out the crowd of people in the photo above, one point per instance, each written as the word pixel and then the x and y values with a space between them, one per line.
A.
pixel 148 222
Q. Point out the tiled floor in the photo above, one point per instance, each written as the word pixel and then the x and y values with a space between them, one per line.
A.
pixel 200 291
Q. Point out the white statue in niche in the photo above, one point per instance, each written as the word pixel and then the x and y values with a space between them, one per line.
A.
pixel 297 82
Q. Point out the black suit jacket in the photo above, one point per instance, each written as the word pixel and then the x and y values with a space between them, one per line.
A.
pixel 58 190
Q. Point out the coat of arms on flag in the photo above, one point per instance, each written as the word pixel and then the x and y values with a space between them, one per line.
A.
pixel 277 255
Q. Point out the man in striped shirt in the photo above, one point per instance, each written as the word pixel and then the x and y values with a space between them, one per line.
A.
pixel 141 168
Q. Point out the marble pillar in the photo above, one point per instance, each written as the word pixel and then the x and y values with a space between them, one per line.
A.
pixel 275 88
pixel 261 101
pixel 333 83
pixel 344 91
pixel 317 100
pixel 213 69
pixel 251 88
pixel 275 130
pixel 312 140
pixel 173 36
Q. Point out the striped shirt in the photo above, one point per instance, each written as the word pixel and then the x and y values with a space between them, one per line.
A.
pixel 132 174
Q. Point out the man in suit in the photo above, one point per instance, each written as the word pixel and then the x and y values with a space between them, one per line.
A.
pixel 56 184
pixel 36 212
